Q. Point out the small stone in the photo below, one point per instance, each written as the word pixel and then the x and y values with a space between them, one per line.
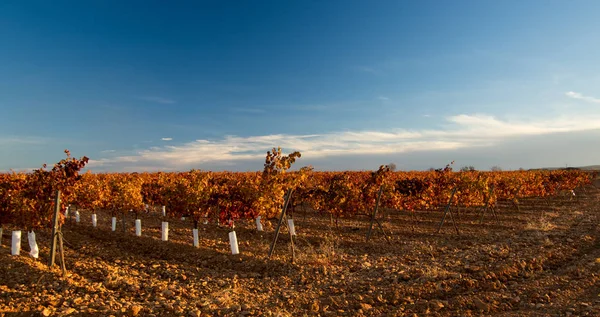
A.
pixel 135 310
pixel 315 306
pixel 196 313
pixel 365 306
pixel 480 305
pixel 436 305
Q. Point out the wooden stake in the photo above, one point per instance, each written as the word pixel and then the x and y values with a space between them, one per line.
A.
pixel 488 205
pixel 374 214
pixel 55 229
pixel 285 205
pixel 62 253
pixel 448 211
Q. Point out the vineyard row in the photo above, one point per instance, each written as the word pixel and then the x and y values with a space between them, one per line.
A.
pixel 26 199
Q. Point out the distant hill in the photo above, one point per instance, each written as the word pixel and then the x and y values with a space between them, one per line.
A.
pixel 591 168
pixel 585 168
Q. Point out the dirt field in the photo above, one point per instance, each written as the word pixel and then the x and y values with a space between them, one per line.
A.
pixel 543 260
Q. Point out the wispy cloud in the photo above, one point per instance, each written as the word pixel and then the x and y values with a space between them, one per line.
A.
pixel 317 107
pixel 20 169
pixel 159 100
pixel 248 110
pixel 348 106
pixel 16 140
pixel 108 151
pixel 167 139
pixel 383 98
pixel 576 95
pixel 460 131
pixel 366 69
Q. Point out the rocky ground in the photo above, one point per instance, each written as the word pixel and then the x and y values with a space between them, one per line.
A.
pixel 541 260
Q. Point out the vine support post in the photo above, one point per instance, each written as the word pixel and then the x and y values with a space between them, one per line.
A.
pixel 55 229
pixel 515 199
pixel 414 219
pixel 488 205
pixel 374 217
pixel 57 237
pixel 61 249
pixel 516 204
pixel 449 211
pixel 281 218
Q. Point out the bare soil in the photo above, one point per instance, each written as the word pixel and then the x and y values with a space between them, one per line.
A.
pixel 540 260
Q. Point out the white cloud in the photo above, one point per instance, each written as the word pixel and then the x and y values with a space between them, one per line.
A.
pixel 167 139
pixel 576 95
pixel 108 151
pixel 383 98
pixel 461 131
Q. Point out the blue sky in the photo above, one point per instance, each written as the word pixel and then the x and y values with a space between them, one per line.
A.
pixel 151 85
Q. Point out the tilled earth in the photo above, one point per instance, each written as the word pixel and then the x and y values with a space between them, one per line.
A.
pixel 542 259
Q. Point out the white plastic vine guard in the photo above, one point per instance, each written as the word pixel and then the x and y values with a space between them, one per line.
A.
pixel 114 224
pixel 259 225
pixel 165 231
pixel 196 240
pixel 233 243
pixel 94 220
pixel 34 250
pixel 16 243
pixel 291 225
pixel 138 227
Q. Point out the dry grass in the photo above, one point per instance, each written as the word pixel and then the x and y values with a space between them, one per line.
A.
pixel 434 272
pixel 540 224
pixel 323 254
